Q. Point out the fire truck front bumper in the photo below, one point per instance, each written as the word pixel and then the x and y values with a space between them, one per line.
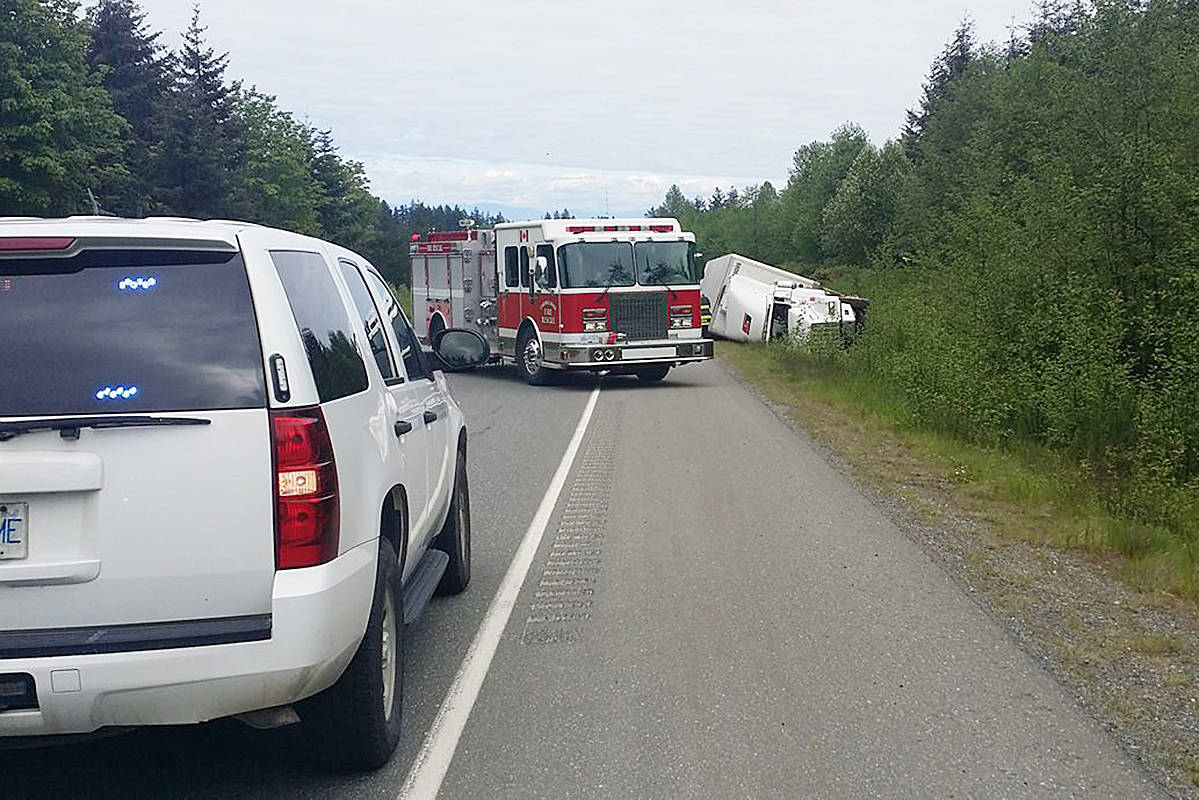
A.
pixel 628 354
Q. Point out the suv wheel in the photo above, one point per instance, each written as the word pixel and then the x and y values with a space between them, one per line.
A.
pixel 529 359
pixel 355 723
pixel 454 538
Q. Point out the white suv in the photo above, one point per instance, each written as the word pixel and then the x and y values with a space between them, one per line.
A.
pixel 229 474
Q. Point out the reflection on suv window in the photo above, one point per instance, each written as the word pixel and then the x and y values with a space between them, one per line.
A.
pixel 414 362
pixel 375 335
pixel 128 331
pixel 324 324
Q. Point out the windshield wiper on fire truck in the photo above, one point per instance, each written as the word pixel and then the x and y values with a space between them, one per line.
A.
pixel 661 271
pixel 614 273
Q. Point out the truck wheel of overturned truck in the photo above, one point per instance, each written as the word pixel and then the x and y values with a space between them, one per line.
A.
pixel 529 359
pixel 653 374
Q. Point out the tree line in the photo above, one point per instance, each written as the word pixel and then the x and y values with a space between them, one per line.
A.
pixel 100 117
pixel 1030 240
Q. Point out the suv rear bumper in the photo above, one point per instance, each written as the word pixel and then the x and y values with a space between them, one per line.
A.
pixel 318 618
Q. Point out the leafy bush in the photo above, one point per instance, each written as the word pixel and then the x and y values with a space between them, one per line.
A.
pixel 1030 246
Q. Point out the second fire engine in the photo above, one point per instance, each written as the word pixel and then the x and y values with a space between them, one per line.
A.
pixel 611 295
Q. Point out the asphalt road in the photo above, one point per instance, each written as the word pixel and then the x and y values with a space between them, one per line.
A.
pixel 712 612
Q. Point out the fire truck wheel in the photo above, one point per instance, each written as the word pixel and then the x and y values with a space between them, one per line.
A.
pixel 454 538
pixel 528 359
pixel 653 374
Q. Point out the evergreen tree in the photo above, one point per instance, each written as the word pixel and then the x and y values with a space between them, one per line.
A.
pixel 202 145
pixel 1057 20
pixel 59 137
pixel 717 200
pixel 346 205
pixel 957 56
pixel 675 204
pixel 136 72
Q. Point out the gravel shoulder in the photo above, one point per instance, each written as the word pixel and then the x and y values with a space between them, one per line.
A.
pixel 1130 658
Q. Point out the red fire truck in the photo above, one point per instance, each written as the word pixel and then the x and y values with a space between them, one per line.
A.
pixel 611 295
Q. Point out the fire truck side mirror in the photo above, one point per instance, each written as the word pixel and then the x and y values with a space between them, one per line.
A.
pixel 540 265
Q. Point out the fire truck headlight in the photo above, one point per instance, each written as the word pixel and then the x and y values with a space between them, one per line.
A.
pixel 595 320
pixel 680 316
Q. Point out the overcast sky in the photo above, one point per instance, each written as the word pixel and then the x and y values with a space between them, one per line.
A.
pixel 531 105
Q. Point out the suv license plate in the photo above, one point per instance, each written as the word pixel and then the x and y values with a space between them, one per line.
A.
pixel 14 531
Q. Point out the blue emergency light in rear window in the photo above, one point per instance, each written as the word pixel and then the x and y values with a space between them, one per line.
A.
pixel 121 392
pixel 135 284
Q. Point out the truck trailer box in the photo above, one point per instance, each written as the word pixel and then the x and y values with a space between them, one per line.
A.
pixel 755 302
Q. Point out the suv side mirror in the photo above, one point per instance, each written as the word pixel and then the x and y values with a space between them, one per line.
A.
pixel 461 349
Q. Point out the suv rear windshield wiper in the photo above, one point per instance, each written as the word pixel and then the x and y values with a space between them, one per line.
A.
pixel 69 427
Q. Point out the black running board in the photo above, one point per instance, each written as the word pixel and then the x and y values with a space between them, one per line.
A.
pixel 423 583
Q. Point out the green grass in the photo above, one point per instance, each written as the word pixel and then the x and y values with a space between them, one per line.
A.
pixel 1024 492
pixel 404 295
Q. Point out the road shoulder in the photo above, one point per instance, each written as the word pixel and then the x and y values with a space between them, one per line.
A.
pixel 1130 658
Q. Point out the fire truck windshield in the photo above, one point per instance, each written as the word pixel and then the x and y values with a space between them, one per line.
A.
pixel 666 263
pixel 595 265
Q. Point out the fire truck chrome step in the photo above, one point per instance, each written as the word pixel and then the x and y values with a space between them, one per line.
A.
pixel 420 587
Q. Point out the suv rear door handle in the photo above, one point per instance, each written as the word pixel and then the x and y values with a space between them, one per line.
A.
pixel 403 426
pixel 430 417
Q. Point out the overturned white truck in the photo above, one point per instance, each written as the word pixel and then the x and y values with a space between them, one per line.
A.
pixel 755 302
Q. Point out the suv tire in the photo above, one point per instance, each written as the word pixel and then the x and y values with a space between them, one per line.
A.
pixel 354 725
pixel 454 538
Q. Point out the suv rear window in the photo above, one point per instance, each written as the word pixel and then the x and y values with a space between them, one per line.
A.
pixel 112 331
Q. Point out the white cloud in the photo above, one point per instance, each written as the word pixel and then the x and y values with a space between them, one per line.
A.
pixel 555 103
pixel 530 188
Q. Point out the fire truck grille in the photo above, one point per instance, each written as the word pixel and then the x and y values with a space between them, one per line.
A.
pixel 638 316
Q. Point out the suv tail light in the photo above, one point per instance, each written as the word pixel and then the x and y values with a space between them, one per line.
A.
pixel 307 514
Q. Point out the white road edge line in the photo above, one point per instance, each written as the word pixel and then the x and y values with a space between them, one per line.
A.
pixel 433 761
